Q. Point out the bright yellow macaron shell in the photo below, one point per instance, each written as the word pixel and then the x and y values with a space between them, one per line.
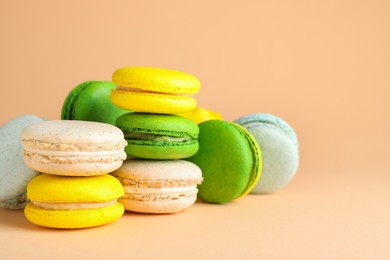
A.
pixel 73 202
pixel 154 90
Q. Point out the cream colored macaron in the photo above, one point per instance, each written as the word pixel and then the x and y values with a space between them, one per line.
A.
pixel 158 186
pixel 73 148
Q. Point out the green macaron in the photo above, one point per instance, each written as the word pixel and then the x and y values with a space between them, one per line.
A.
pixel 157 136
pixel 90 101
pixel 230 160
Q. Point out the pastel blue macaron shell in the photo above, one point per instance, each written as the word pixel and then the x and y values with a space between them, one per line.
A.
pixel 269 119
pixel 278 143
pixel 14 174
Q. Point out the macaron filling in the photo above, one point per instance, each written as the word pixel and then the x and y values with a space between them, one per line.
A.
pixel 160 196
pixel 73 205
pixel 156 137
pixel 157 190
pixel 45 152
pixel 144 91
pixel 42 145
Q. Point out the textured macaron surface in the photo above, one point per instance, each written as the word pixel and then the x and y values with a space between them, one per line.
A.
pixel 226 159
pixel 65 189
pixel 153 136
pixel 268 119
pixel 159 170
pixel 90 101
pixel 57 134
pixel 163 125
pixel 156 80
pixel 279 145
pixel 14 174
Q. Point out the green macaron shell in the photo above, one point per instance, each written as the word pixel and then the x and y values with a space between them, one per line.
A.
pixel 90 101
pixel 159 133
pixel 226 159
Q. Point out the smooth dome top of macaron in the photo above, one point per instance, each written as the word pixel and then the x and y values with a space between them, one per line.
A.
pixel 156 80
pixel 62 189
pixel 164 125
pixel 73 131
pixel 230 160
pixel 269 119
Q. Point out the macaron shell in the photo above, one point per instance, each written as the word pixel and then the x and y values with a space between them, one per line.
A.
pixel 159 207
pixel 70 219
pixel 279 147
pixel 156 79
pixel 152 103
pixel 75 169
pixel 169 125
pixel 14 175
pixel 63 189
pixel 90 101
pixel 139 169
pixel 270 120
pixel 18 202
pixel 199 115
pixel 73 132
pixel 226 161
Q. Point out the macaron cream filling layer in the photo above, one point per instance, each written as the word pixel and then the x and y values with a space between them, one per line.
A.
pixel 145 91
pixel 87 158
pixel 160 196
pixel 159 183
pixel 155 137
pixel 42 145
pixel 157 190
pixel 73 153
pixel 73 205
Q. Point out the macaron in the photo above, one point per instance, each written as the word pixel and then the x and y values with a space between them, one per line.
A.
pixel 154 90
pixel 279 146
pixel 73 202
pixel 14 174
pixel 156 136
pixel 199 115
pixel 90 101
pixel 158 186
pixel 73 148
pixel 230 160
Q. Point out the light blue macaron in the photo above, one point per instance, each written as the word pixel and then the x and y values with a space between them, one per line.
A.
pixel 278 143
pixel 14 174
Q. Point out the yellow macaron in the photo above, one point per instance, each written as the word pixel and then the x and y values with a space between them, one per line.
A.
pixel 73 202
pixel 154 90
pixel 199 115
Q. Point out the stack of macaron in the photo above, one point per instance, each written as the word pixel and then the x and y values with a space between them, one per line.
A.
pixel 155 178
pixel 76 168
pixel 74 157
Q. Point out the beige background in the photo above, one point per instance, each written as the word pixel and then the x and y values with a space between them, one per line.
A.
pixel 323 66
